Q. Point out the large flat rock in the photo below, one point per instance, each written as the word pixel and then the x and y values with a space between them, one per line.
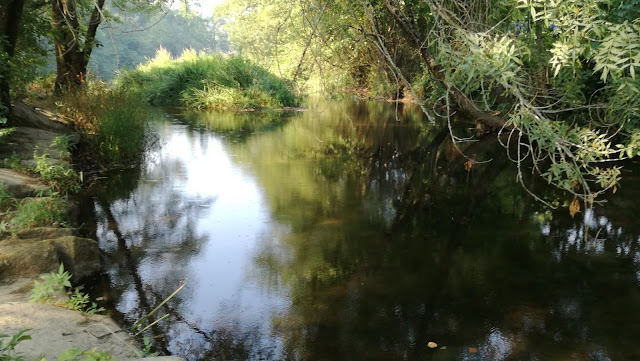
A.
pixel 34 117
pixel 30 257
pixel 54 329
pixel 20 184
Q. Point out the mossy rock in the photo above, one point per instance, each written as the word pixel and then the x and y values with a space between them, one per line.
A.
pixel 81 256
pixel 20 258
pixel 30 257
pixel 45 233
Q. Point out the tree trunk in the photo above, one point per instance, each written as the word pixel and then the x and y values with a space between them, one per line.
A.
pixel 10 16
pixel 72 56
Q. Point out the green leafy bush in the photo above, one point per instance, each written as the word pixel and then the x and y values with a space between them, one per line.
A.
pixel 207 81
pixel 38 212
pixel 113 123
pixel 55 288
pixel 59 176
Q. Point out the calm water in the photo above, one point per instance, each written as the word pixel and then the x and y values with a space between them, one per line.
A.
pixel 352 232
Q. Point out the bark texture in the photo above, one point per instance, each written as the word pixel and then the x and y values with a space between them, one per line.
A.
pixel 73 49
pixel 10 16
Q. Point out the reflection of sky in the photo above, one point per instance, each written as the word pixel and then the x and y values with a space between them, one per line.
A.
pixel 229 217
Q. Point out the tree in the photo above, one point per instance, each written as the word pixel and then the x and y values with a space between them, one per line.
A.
pixel 555 80
pixel 73 47
pixel 10 16
pixel 504 58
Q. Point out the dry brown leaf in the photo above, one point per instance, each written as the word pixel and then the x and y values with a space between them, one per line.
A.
pixel 574 207
pixel 615 189
pixel 473 349
pixel 468 165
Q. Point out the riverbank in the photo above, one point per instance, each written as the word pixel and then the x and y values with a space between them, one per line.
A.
pixel 37 237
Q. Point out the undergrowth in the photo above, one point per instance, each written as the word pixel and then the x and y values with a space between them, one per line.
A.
pixel 55 288
pixel 206 81
pixel 112 122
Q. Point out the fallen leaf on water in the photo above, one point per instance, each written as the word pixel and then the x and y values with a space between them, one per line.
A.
pixel 574 207
pixel 473 349
pixel 432 345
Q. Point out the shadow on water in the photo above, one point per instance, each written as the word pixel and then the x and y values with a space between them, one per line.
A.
pixel 352 232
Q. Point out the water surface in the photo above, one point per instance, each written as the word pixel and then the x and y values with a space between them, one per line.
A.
pixel 352 231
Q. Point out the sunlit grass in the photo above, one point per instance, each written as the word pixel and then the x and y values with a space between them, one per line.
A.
pixel 206 81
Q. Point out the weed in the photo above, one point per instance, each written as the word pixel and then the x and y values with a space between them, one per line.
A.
pixel 38 212
pixel 52 286
pixel 80 301
pixel 8 351
pixel 59 176
pixel 112 121
pixel 74 354
pixel 146 350
pixel 56 288
pixel 4 132
pixel 6 198
pixel 64 143
pixel 13 162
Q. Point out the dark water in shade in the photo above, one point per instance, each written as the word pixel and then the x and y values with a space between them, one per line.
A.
pixel 352 232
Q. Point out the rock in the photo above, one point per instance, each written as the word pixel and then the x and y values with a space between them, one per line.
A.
pixel 19 184
pixel 33 117
pixel 22 142
pixel 30 257
pixel 81 256
pixel 19 258
pixel 45 232
pixel 55 329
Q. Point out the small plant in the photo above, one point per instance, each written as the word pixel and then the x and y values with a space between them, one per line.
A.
pixel 8 351
pixel 146 350
pixel 56 288
pixel 60 177
pixel 63 142
pixel 80 301
pixel 38 212
pixel 74 354
pixel 4 132
pixel 13 162
pixel 52 286
pixel 6 198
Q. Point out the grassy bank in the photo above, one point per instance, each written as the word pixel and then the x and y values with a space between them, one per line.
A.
pixel 112 123
pixel 206 81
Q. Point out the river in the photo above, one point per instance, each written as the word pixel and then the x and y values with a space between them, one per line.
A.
pixel 353 231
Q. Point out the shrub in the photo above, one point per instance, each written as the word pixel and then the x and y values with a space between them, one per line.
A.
pixel 60 177
pixel 206 81
pixel 38 212
pixel 112 121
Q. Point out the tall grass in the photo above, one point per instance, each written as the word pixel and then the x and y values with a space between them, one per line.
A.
pixel 113 122
pixel 206 81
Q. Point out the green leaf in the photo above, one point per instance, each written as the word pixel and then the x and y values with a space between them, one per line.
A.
pixel 70 354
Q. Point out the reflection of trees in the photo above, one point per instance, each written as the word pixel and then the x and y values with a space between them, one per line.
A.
pixel 407 248
pixel 236 126
pixel 385 243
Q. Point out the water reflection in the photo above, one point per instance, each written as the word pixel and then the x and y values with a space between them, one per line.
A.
pixel 354 232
